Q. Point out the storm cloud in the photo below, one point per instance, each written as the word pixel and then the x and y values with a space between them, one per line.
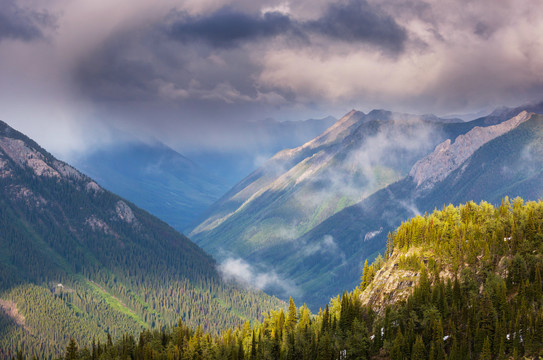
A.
pixel 355 21
pixel 194 72
pixel 227 27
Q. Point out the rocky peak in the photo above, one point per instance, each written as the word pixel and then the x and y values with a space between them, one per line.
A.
pixel 338 130
pixel 449 156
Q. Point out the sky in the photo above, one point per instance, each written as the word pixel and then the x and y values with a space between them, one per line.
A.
pixel 75 74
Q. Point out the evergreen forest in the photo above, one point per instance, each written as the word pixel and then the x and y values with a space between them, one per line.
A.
pixel 477 295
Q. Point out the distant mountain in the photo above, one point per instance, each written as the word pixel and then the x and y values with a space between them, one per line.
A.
pixel 156 178
pixel 297 189
pixel 78 261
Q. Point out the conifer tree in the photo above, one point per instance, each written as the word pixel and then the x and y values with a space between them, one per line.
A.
pixel 292 317
pixel 485 353
pixel 418 352
pixel 72 350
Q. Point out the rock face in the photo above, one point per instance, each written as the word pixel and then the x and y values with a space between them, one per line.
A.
pixel 392 284
pixel 448 156
pixel 26 156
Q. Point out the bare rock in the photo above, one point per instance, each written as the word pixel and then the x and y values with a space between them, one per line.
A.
pixel 124 212
pixel 447 156
pixel 23 193
pixel 25 156
pixel 10 309
pixel 392 284
pixel 67 171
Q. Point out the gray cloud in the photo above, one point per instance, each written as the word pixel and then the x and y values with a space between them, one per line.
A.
pixel 354 21
pixel 359 21
pixel 227 27
pixel 22 24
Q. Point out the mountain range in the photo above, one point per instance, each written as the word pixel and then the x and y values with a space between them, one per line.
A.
pixel 178 188
pixel 313 214
pixel 82 262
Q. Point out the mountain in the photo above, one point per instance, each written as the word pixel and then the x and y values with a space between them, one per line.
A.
pixel 297 189
pixel 509 163
pixel 313 213
pixel 460 283
pixel 154 177
pixel 79 261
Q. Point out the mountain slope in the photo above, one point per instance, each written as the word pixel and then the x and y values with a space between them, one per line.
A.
pixel 298 189
pixel 78 261
pixel 509 165
pixel 254 142
pixel 156 178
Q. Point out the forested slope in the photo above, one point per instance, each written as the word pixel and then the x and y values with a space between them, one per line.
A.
pixel 78 261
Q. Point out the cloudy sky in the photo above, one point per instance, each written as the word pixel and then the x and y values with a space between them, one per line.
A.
pixel 192 72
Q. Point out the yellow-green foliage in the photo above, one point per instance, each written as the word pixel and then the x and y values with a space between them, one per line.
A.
pixel 473 233
pixel 411 262
pixel 483 312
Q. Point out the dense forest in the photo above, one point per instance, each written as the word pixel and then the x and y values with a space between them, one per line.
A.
pixel 477 295
pixel 79 262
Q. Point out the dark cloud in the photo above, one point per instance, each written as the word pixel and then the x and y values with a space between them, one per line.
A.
pixel 358 21
pixel 22 24
pixel 227 27
pixel 355 21
pixel 196 60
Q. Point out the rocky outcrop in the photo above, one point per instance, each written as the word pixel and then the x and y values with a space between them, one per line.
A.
pixel 393 284
pixel 93 187
pixel 447 156
pixel 67 171
pixel 124 212
pixel 23 156
pixel 23 193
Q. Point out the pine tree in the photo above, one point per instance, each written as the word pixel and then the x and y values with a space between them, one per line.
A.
pixel 396 353
pixel 71 350
pixel 485 353
pixel 419 351
pixel 365 276
pixel 291 316
pixel 253 347
pixel 390 247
